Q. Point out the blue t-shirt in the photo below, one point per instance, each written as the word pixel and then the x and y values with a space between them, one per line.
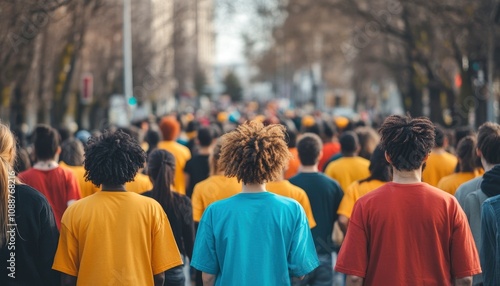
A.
pixel 254 239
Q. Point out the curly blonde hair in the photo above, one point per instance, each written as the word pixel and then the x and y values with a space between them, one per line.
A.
pixel 254 153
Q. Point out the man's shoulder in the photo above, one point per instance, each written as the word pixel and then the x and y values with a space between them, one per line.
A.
pixel 494 202
pixel 469 187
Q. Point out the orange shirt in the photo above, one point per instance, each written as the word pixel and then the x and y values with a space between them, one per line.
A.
pixel 293 164
pixel 140 184
pixel 289 190
pixel 451 183
pixel 408 234
pixel 437 166
pixel 210 190
pixel 346 170
pixel 329 149
pixel 86 187
pixel 355 191
pixel 182 155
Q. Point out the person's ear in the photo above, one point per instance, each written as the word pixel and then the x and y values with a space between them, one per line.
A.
pixel 479 153
pixel 58 152
pixel 425 158
pixel 387 157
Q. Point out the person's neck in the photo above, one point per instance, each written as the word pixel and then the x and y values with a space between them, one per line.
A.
pixel 254 188
pixel 438 150
pixel 407 177
pixel 309 169
pixel 486 166
pixel 347 155
pixel 113 188
pixel 204 151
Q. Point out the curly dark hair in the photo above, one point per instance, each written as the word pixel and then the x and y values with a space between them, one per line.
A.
pixel 407 140
pixel 254 153
pixel 112 159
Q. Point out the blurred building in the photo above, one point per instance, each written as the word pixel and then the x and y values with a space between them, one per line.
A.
pixel 193 41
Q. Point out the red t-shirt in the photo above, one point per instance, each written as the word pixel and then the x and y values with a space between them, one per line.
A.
pixel 329 149
pixel 408 234
pixel 58 185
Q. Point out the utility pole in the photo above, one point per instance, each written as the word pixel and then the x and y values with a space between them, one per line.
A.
pixel 127 56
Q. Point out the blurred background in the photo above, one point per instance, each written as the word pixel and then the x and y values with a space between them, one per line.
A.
pixel 91 63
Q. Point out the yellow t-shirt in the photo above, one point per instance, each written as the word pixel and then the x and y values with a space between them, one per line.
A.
pixel 140 184
pixel 353 193
pixel 451 183
pixel 437 166
pixel 86 187
pixel 346 170
pixel 287 189
pixel 210 190
pixel 115 238
pixel 182 155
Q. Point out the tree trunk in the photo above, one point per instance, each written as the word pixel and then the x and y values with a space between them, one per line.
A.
pixel 436 108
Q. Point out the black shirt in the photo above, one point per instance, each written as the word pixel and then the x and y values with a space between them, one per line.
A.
pixel 198 170
pixel 35 243
pixel 181 222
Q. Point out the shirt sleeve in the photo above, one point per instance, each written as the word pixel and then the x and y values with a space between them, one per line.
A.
pixel 164 253
pixel 205 253
pixel 353 255
pixel 302 257
pixel 347 203
pixel 197 203
pixel 304 202
pixel 464 257
pixel 488 244
pixel 67 255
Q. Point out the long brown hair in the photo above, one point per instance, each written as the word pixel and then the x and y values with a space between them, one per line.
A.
pixel 7 158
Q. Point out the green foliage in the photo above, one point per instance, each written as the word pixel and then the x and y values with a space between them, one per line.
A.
pixel 233 86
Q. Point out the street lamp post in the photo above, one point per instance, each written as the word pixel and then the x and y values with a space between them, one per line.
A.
pixel 127 55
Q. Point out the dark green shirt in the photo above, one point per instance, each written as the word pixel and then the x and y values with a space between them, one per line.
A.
pixel 324 195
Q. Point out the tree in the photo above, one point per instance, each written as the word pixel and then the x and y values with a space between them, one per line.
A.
pixel 233 87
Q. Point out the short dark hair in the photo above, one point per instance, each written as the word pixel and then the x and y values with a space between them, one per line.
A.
pixel 488 142
pixel 407 140
pixel 309 147
pixel 292 138
pixel 46 141
pixel 439 139
pixel 349 142
pixel 112 158
pixel 206 136
pixel 72 152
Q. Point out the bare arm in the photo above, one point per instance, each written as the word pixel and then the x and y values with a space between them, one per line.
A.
pixel 208 279
pixel 343 223
pixel 159 279
pixel 68 280
pixel 465 281
pixel 354 281
pixel 186 179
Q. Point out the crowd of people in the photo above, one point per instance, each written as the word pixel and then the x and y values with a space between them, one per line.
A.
pixel 268 200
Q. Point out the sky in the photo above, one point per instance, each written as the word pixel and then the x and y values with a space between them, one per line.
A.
pixel 228 42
